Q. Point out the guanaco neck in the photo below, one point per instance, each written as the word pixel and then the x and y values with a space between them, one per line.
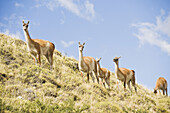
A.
pixel 27 37
pixel 81 60
pixel 98 67
pixel 116 68
pixel 156 88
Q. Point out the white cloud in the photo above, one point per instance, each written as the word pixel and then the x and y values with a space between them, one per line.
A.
pixel 13 35
pixel 67 44
pixel 155 34
pixel 90 9
pixel 13 22
pixel 164 25
pixel 19 5
pixel 71 6
pixel 83 9
pixel 12 26
pixel 52 5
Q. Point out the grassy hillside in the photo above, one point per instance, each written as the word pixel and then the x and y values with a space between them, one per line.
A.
pixel 26 87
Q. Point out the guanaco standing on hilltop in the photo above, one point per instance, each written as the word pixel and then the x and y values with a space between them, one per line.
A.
pixel 87 64
pixel 125 75
pixel 38 47
pixel 161 84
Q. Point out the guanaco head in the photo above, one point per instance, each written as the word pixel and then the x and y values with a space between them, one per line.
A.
pixel 155 91
pixel 25 25
pixel 98 60
pixel 116 59
pixel 81 46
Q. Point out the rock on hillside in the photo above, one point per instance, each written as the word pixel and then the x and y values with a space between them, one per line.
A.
pixel 26 87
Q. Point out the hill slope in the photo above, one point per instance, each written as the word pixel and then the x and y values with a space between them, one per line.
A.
pixel 26 87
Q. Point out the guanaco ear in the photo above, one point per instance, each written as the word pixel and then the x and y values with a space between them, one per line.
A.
pixel 83 44
pixel 100 58
pixel 79 42
pixel 119 57
pixel 97 59
pixel 23 21
pixel 28 22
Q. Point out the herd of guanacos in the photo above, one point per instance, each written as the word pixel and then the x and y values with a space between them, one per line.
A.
pixel 87 64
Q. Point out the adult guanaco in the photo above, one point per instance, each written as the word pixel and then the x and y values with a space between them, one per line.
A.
pixel 124 75
pixel 161 84
pixel 87 64
pixel 38 47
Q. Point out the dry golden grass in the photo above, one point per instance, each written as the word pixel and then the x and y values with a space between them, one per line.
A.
pixel 26 87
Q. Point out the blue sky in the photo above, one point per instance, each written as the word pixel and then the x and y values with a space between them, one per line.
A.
pixel 136 30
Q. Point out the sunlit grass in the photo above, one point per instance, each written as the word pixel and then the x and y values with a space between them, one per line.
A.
pixel 26 87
